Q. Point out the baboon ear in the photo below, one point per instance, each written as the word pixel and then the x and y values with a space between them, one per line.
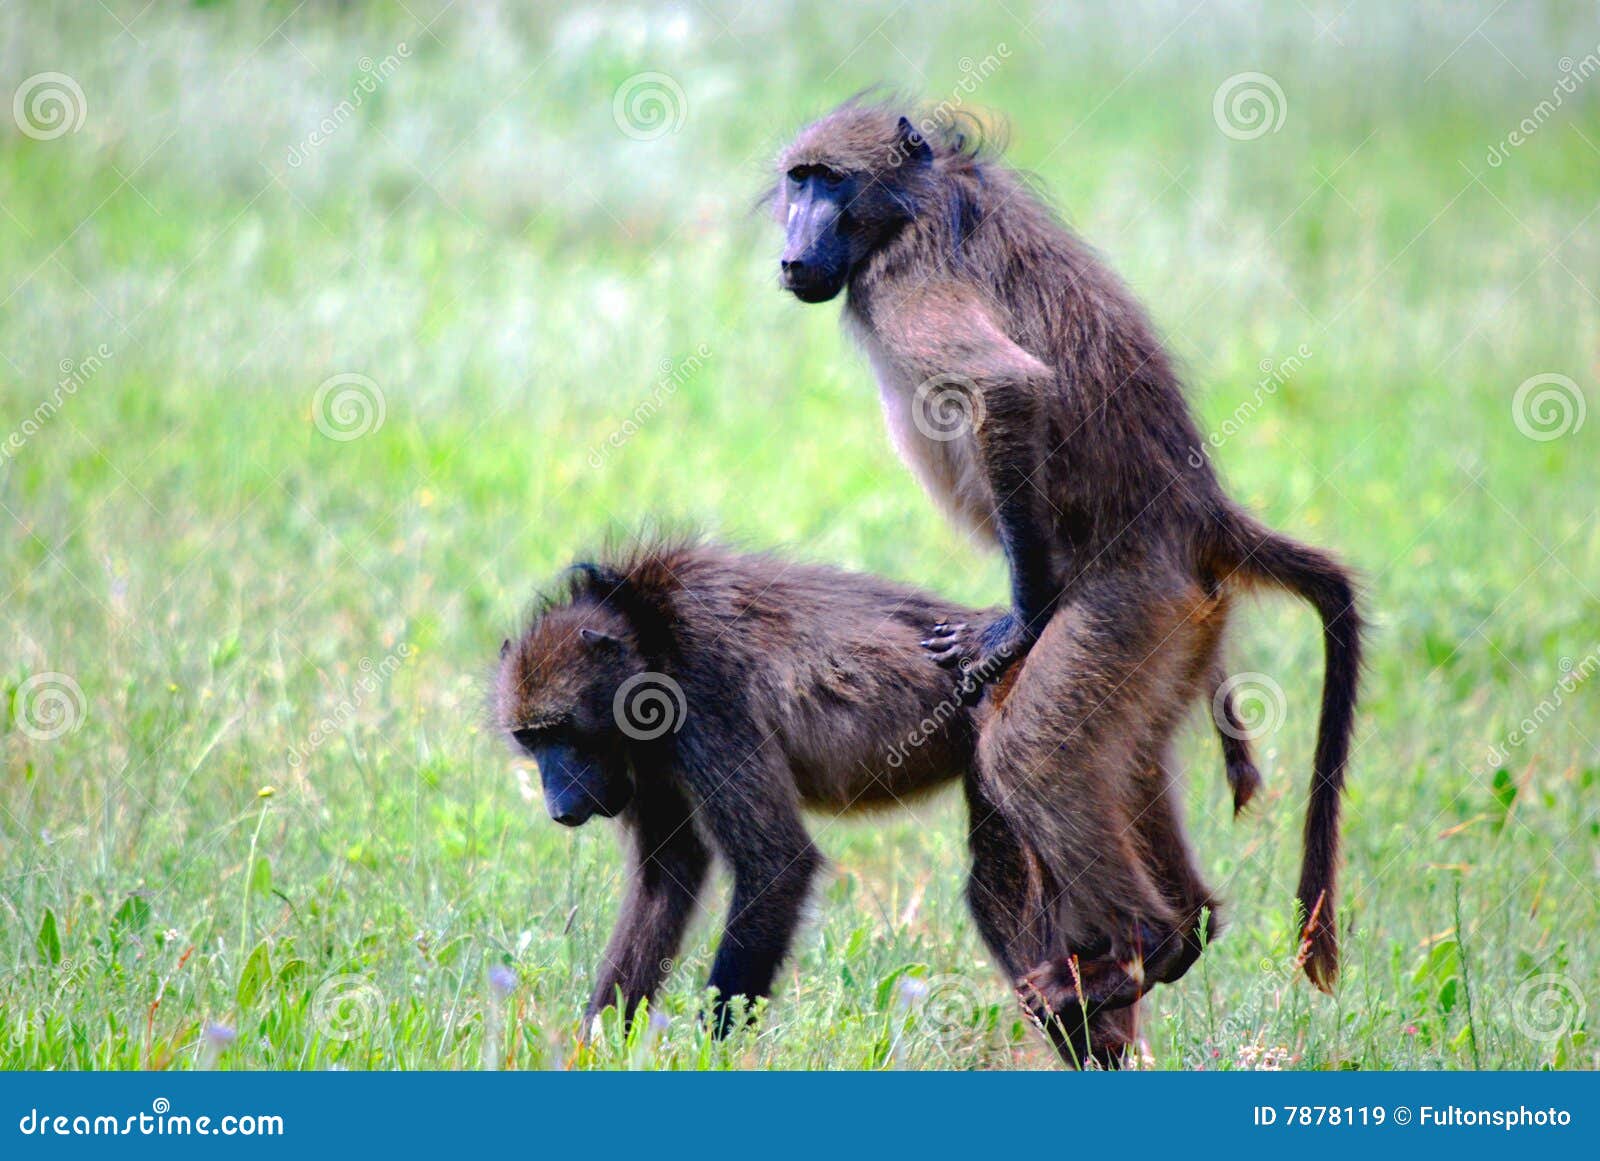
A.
pixel 913 145
pixel 505 647
pixel 599 640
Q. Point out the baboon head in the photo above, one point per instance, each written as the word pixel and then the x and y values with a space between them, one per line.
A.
pixel 847 184
pixel 554 700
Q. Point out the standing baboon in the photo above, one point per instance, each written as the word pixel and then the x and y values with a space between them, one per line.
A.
pixel 701 697
pixel 1079 459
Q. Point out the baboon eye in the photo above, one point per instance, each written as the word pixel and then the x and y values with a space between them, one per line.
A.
pixel 832 178
pixel 798 174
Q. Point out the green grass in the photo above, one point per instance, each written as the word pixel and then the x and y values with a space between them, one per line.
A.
pixel 218 578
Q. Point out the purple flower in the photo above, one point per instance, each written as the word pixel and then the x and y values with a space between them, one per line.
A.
pixel 219 1036
pixel 502 981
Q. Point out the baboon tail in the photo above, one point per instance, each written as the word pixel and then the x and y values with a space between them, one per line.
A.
pixel 1247 550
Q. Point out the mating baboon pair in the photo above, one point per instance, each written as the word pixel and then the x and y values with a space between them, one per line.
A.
pixel 1079 461
pixel 702 697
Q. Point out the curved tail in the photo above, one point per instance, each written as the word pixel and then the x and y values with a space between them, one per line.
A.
pixel 1244 549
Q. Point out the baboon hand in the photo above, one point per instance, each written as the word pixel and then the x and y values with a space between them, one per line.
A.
pixel 981 654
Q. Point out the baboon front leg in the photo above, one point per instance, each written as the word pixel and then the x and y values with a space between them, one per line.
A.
pixel 755 822
pixel 667 867
pixel 946 331
pixel 1102 689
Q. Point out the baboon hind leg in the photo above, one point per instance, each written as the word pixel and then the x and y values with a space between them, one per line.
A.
pixel 1062 758
pixel 1166 845
pixel 1007 894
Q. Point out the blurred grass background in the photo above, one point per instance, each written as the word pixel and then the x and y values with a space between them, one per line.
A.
pixel 221 598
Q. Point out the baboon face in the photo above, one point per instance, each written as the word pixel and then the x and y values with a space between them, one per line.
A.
pixel 847 186
pixel 556 689
pixel 821 243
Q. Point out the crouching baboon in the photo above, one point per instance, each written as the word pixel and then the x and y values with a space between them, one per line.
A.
pixel 1031 395
pixel 702 697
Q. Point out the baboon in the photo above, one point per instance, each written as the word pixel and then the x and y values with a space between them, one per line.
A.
pixel 701 697
pixel 1079 460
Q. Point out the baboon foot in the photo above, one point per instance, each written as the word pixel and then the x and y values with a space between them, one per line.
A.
pixel 1083 1039
pixel 1074 986
pixel 1099 980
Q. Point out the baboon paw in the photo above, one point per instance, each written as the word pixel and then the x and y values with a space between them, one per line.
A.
pixel 1074 985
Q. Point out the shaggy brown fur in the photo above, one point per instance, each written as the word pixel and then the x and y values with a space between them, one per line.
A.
pixel 801 685
pixel 1082 465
